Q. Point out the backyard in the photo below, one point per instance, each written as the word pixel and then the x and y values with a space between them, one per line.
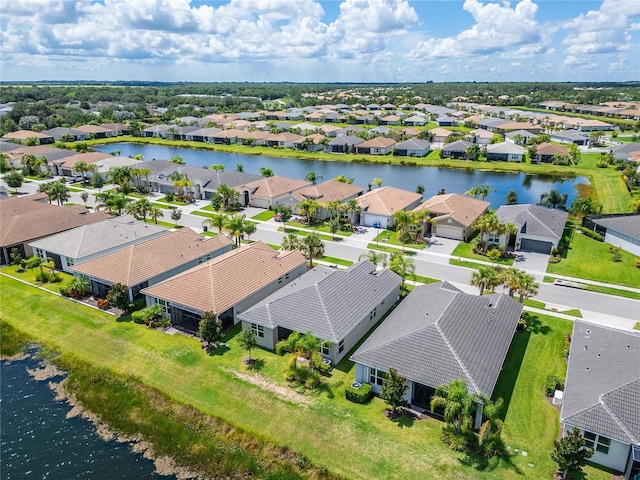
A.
pixel 320 424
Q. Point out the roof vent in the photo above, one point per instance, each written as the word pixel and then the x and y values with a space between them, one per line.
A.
pixel 587 369
pixel 588 332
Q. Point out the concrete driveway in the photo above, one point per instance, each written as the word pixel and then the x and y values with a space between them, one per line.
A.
pixel 444 246
pixel 531 261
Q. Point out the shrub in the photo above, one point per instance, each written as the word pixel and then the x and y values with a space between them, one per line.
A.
pixel 617 257
pixel 358 395
pixel 313 380
pixel 555 252
pixel 77 288
pixel 522 325
pixel 591 234
pixel 137 317
pixel 555 259
pixel 637 262
pixel 324 369
pixel 567 344
pixel 103 304
pixel 552 384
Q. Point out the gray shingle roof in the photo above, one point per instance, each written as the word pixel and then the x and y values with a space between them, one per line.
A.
pixel 539 221
pixel 414 144
pixel 457 146
pixel 438 334
pixel 626 148
pixel 210 179
pixel 602 391
pixel 96 237
pixel 627 224
pixel 326 301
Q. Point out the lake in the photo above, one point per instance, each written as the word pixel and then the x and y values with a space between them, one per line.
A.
pixel 529 187
pixel 39 441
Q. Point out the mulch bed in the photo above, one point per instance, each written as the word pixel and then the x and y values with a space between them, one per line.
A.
pixel 404 411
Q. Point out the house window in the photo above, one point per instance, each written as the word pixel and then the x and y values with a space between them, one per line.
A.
pixel 376 377
pixel 258 330
pixel 341 346
pixel 164 304
pixel 325 348
pixel 372 314
pixel 69 261
pixel 494 237
pixel 38 252
pixel 597 442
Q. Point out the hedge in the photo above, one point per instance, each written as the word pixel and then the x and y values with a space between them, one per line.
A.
pixel 358 395
pixel 591 234
pixel 552 384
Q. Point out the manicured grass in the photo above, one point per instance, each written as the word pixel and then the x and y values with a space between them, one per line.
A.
pixel 636 326
pixel 589 259
pixel 304 233
pixel 175 202
pixel 543 306
pixel 337 261
pixel 76 190
pixel 466 250
pixel 421 279
pixel 325 426
pixel 320 228
pixel 384 248
pixel 534 303
pixel 464 263
pixel 264 216
pixel 599 289
pixel 390 238
pixel 30 276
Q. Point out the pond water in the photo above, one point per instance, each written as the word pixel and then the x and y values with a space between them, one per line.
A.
pixel 38 441
pixel 529 187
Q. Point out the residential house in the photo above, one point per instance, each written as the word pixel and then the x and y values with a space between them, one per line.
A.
pixel 118 128
pixel 14 156
pixel 624 151
pixel 547 152
pixel 378 206
pixel 376 146
pixel 505 151
pixel 415 121
pixel 105 165
pixel 338 306
pixel 520 137
pixel 268 192
pixel 283 140
pixel 83 243
pixel 446 121
pixel 391 120
pixel 457 149
pixel 539 228
pixel 602 395
pixel 26 219
pixel 479 136
pixel 66 166
pixel 202 135
pixel 414 147
pixel 452 215
pixel 158 131
pixel 97 131
pixel 65 133
pixel 147 263
pixel 227 285
pixel 438 334
pixel 618 229
pixel 24 135
pixel 344 144
pixel 570 136
pixel 325 192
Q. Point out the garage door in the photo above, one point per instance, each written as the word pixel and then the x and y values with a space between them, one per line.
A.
pixel 537 246
pixel 446 231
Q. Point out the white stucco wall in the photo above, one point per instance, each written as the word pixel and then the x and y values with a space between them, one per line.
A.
pixel 624 244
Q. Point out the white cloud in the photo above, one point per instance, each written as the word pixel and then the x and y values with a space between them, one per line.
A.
pixel 497 28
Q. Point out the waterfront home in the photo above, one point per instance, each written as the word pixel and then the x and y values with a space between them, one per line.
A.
pixel 66 133
pixel 520 137
pixel 570 136
pixel 146 263
pixel 85 242
pixel 452 215
pixel 323 193
pixel 343 144
pixel 283 140
pixel 26 219
pixel 548 152
pixel 440 135
pixel 376 146
pixel 65 167
pixel 618 229
pixel 414 147
pixel 457 149
pixel 202 135
pixel 117 128
pixel 624 151
pixel 539 228
pixel 378 206
pixel 338 306
pixel 22 136
pixel 505 151
pixel 602 395
pixel 438 334
pixel 479 136
pixel 97 131
pixel 268 192
pixel 226 285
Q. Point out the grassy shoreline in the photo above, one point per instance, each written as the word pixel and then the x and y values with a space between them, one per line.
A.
pixel 607 185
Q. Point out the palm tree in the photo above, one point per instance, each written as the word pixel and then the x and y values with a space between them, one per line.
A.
pixel 492 423
pixel 333 207
pixel 582 207
pixel 375 258
pixel 155 212
pixel 343 179
pixel 486 278
pixel 289 344
pixel 308 345
pixel 120 174
pixel 481 191
pixel 459 406
pixel 527 286
pixel 266 172
pixel 236 227
pixel 511 279
pixel 219 221
pixel 143 207
pixel 312 247
pixel 308 207
pixel 228 196
pixel 377 182
pixel 352 208
pixel 554 199
pixel 60 192
pixel 402 266
pixel 115 202
pixel 485 224
pixel 312 177
pixel 239 167
pixel 290 242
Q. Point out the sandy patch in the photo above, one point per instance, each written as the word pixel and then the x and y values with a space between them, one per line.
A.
pixel 282 392
pixel 45 372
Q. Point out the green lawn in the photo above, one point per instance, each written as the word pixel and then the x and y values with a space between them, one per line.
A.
pixel 608 290
pixel 174 203
pixel 385 248
pixel 337 261
pixel 389 237
pixel 304 233
pixel 30 276
pixel 636 326
pixel 465 250
pixel 321 424
pixel 592 260
pixel 264 216
pixel 319 228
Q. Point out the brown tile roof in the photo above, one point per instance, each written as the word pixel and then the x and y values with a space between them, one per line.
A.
pixel 550 149
pixel 464 210
pixel 275 186
pixel 90 157
pixel 228 279
pixel 42 222
pixel 137 263
pixel 284 137
pixel 440 132
pixel 330 190
pixel 12 206
pixel 25 134
pixel 387 200
pixel 411 132
pixel 378 142
pixel 93 129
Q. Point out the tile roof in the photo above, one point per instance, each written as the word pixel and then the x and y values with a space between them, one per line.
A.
pixel 625 224
pixel 327 301
pixel 540 221
pixel 506 148
pixel 626 148
pixel 275 186
pixel 465 210
pixel 330 190
pixel 90 157
pixel 41 222
pixel 12 206
pixel 457 146
pixel 387 200
pixel 97 237
pixel 414 144
pixel 228 279
pixel 25 134
pixel 602 390
pixel 438 334
pixel 137 263
pixel 550 149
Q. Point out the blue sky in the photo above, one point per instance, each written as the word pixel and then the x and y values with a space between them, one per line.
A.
pixel 327 41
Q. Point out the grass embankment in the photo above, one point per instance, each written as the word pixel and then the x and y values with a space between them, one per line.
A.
pixel 587 258
pixel 608 186
pixel 321 426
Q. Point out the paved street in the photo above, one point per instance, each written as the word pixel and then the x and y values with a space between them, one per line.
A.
pixel 433 262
